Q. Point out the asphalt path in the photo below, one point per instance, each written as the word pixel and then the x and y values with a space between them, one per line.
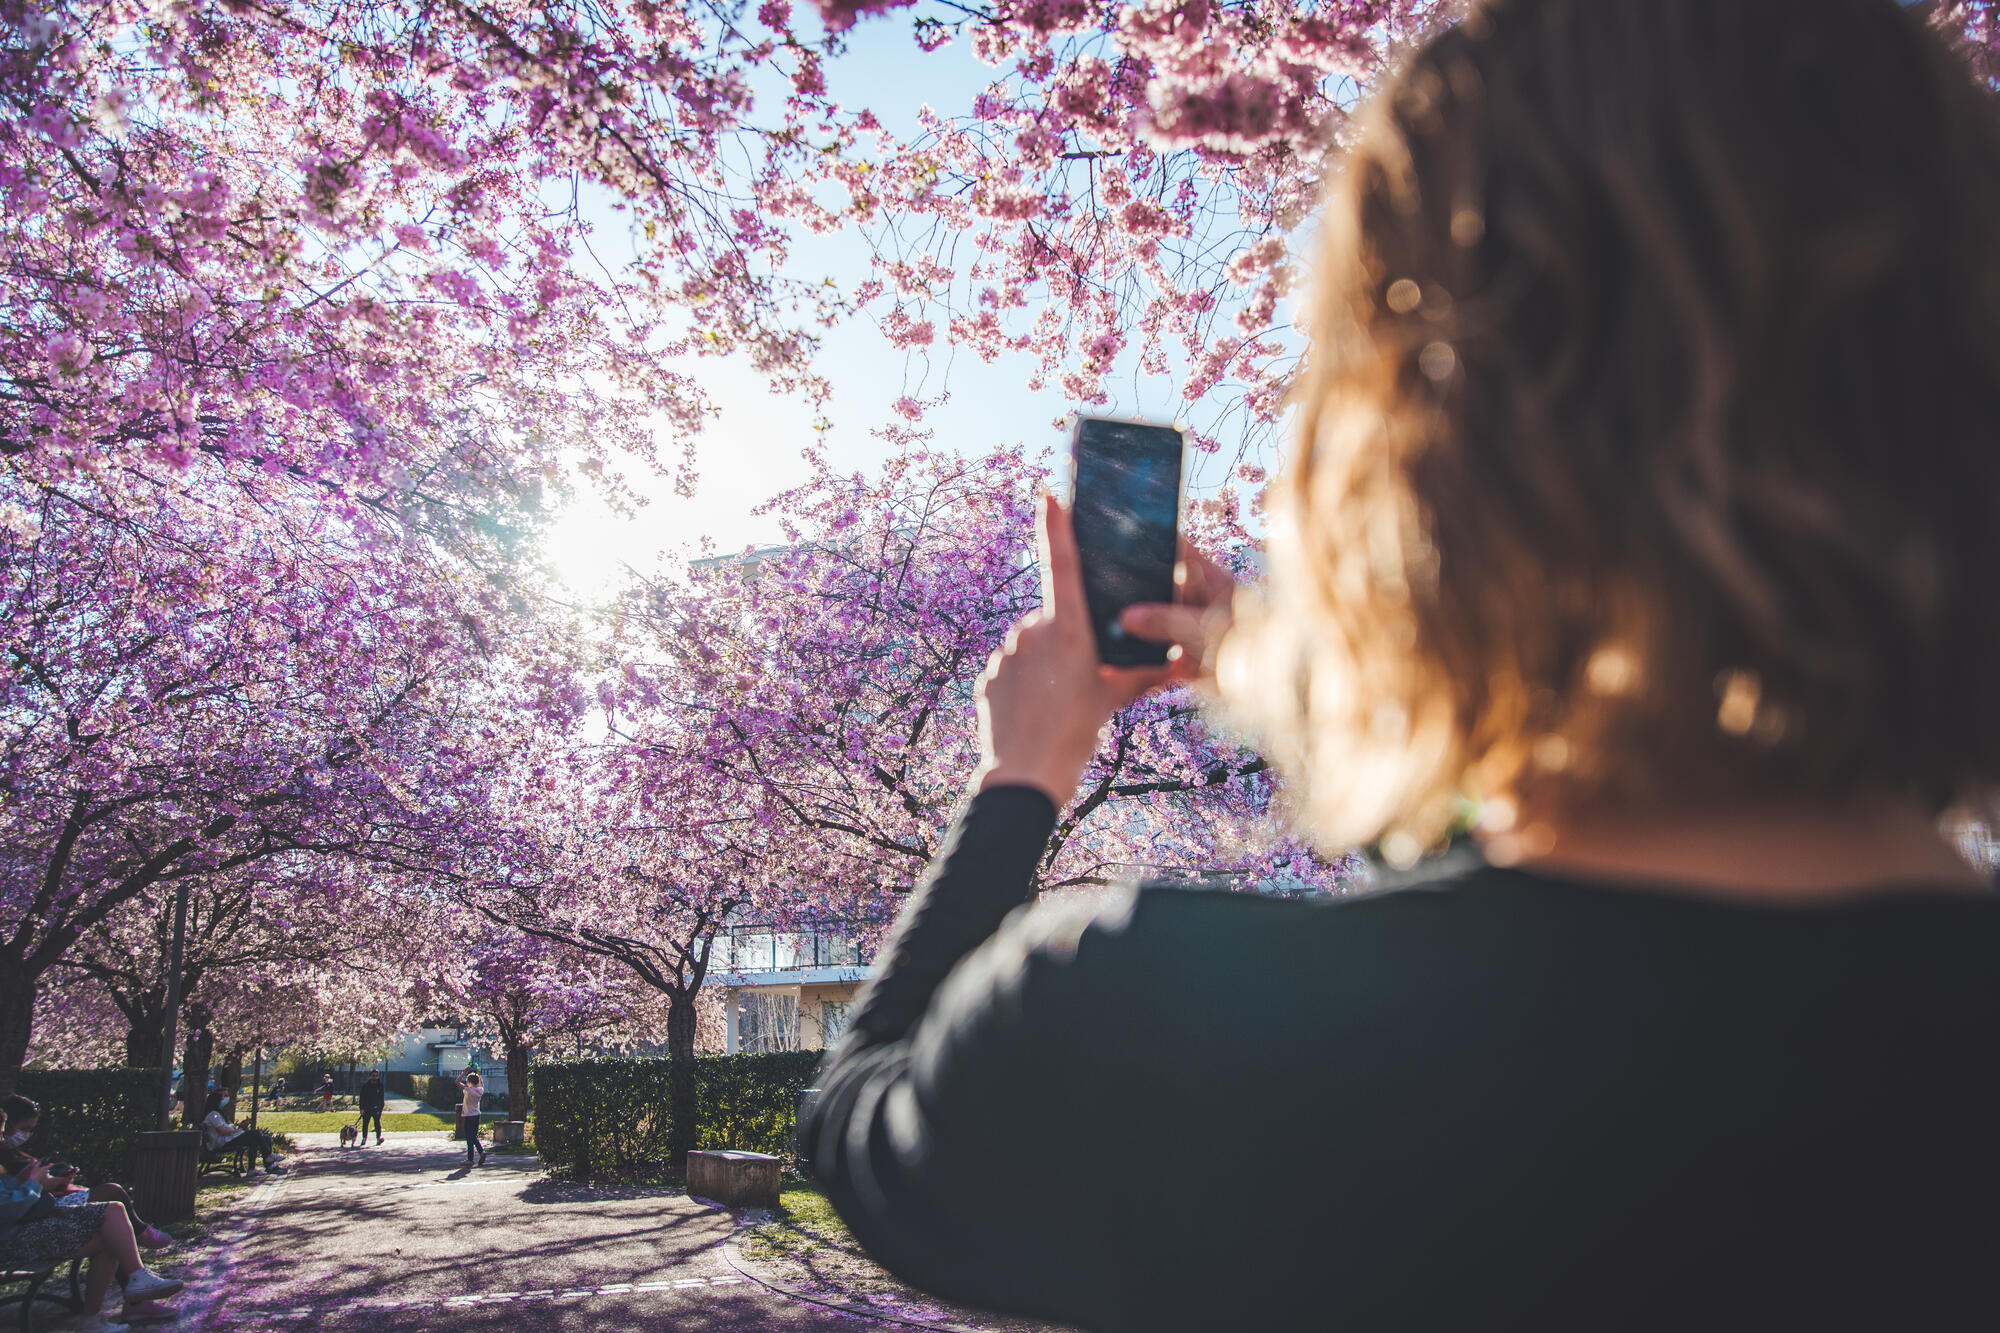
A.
pixel 407 1237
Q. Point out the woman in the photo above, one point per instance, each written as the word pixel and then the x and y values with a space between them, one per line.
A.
pixel 1643 504
pixel 221 1134
pixel 33 1235
pixel 471 1090
pixel 23 1116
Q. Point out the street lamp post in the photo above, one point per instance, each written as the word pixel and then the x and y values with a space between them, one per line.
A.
pixel 256 1085
pixel 173 1004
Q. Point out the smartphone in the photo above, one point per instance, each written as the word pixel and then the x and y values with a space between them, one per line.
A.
pixel 1125 504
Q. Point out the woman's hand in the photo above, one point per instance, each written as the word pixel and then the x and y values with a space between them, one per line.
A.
pixel 1195 622
pixel 1045 696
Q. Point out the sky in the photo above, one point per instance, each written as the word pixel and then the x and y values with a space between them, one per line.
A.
pixel 753 450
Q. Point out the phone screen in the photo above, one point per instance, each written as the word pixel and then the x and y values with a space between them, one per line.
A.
pixel 1125 503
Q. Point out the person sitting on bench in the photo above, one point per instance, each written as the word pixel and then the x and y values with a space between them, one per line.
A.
pixel 36 1234
pixel 23 1117
pixel 222 1134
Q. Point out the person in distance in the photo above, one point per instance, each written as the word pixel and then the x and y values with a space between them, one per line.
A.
pixel 1643 496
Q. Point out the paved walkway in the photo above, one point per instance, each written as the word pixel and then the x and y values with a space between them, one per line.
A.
pixel 405 1237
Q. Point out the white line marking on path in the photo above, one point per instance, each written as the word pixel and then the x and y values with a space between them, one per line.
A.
pixel 208 1282
pixel 384 1303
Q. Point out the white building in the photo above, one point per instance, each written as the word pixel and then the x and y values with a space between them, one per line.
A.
pixel 785 989
pixel 444 1051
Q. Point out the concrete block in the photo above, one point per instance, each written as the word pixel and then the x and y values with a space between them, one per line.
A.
pixel 730 1176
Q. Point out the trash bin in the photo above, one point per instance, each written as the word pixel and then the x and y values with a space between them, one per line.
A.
pixel 163 1178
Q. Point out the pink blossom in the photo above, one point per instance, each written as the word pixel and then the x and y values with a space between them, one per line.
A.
pixel 840 15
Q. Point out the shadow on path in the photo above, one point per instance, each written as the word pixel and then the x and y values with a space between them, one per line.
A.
pixel 405 1236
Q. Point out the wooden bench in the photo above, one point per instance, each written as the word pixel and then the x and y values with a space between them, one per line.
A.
pixel 33 1292
pixel 233 1157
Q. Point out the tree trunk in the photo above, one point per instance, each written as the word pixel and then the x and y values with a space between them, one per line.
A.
pixel 194 1069
pixel 517 1079
pixel 142 1047
pixel 683 1110
pixel 230 1080
pixel 17 1023
pixel 146 1029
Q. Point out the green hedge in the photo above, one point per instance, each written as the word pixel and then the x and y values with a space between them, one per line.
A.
pixel 92 1117
pixel 613 1115
pixel 442 1092
pixel 749 1101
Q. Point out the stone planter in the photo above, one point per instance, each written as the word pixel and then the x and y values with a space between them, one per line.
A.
pixel 738 1179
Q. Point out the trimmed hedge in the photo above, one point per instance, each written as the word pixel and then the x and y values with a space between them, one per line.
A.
pixel 614 1115
pixel 92 1117
pixel 750 1101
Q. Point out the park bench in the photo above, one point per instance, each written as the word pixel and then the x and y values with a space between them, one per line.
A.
pixel 33 1292
pixel 232 1157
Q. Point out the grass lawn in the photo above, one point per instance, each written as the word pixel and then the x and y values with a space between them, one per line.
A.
pixel 805 1244
pixel 329 1122
pixel 804 1225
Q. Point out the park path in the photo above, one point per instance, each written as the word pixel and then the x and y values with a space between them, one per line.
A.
pixel 405 1237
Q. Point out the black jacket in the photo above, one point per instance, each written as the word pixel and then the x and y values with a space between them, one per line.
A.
pixel 1487 1100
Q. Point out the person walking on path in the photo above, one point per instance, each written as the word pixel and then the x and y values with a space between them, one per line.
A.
pixel 371 1107
pixel 326 1092
pixel 468 1116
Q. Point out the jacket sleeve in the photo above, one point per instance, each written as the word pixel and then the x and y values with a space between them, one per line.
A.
pixel 946 1111
pixel 16 1197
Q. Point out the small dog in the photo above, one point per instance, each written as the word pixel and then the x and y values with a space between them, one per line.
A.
pixel 348 1134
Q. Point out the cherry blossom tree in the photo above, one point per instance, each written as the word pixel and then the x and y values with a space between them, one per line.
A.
pixel 1127 194
pixel 614 856
pixel 522 990
pixel 828 685
pixel 289 915
pixel 171 717
pixel 347 246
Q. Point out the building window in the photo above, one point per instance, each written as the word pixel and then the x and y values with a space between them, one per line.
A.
pixel 767 1021
pixel 832 1021
pixel 763 947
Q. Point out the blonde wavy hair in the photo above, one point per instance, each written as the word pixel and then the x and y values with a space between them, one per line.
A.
pixel 1647 438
